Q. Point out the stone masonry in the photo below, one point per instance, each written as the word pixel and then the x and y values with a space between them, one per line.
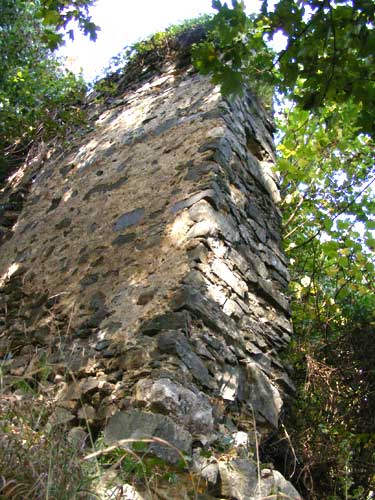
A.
pixel 141 261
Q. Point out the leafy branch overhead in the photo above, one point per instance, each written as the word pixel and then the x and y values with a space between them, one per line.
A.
pixel 56 16
pixel 330 49
pixel 235 51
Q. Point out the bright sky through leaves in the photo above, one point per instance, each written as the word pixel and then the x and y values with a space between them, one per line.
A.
pixel 123 22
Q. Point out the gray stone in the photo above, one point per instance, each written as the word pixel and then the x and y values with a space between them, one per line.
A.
pixel 171 398
pixel 167 321
pixel 262 395
pixel 136 425
pixel 207 468
pixel 129 219
pixel 123 239
pixel 224 273
pixel 207 194
pixel 267 287
pixel 239 479
pixel 174 342
pixel 78 437
pixel 230 380
pixel 276 485
pixel 60 416
pixel 210 222
pixel 260 232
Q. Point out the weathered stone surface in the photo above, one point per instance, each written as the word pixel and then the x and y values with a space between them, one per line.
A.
pixel 167 321
pixel 274 483
pixel 263 396
pixel 129 219
pixel 174 342
pixel 135 426
pixel 238 479
pixel 170 398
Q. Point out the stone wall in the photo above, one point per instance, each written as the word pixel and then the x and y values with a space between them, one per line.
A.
pixel 141 262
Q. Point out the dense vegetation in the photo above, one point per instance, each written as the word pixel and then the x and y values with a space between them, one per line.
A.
pixel 325 79
pixel 38 97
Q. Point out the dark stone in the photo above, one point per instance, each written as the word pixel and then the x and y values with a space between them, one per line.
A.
pixel 255 213
pixel 83 332
pixel 17 197
pixel 122 239
pixel 174 342
pixel 98 261
pixel 109 151
pixel 207 310
pixel 97 317
pixel 66 222
pixel 167 321
pixel 222 151
pixel 105 187
pixel 5 222
pixel 191 36
pixel 145 297
pixel 28 226
pixel 268 290
pixel 83 259
pixel 113 326
pixel 156 214
pixel 49 301
pixel 121 167
pixel 54 204
pixel 109 353
pixel 196 172
pixel 147 120
pixel 65 170
pixel 97 300
pixel 103 344
pixel 208 194
pixel 88 280
pixel 165 126
pixel 129 219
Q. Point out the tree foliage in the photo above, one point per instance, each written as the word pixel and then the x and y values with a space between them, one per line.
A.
pixel 226 54
pixel 56 15
pixel 37 95
pixel 331 48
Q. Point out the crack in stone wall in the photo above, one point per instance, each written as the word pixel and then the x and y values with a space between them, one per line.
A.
pixel 146 267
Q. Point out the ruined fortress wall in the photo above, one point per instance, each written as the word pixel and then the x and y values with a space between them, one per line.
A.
pixel 142 260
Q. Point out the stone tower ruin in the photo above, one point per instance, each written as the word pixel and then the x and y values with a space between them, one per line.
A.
pixel 141 261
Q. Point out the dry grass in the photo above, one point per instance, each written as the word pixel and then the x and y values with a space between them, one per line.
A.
pixel 36 461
